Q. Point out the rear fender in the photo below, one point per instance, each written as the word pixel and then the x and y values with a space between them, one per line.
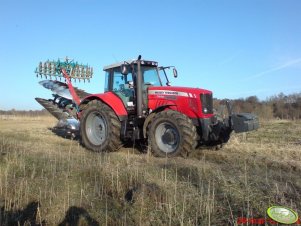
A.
pixel 111 100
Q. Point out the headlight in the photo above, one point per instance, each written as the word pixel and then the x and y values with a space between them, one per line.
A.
pixel 205 110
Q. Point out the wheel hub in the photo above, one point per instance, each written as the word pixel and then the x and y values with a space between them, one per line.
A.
pixel 167 137
pixel 96 128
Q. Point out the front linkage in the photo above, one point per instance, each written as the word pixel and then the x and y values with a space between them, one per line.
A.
pixel 217 130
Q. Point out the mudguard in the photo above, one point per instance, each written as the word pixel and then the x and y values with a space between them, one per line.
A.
pixel 112 100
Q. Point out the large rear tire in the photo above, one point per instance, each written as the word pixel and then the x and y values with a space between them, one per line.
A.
pixel 100 127
pixel 171 133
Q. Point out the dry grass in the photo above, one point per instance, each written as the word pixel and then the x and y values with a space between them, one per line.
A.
pixel 46 179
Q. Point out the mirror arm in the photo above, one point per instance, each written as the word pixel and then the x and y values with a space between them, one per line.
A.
pixel 163 69
pixel 167 83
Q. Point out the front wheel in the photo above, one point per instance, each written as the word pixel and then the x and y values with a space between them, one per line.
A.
pixel 99 127
pixel 171 133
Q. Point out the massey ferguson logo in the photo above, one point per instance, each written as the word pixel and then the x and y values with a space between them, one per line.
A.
pixel 169 92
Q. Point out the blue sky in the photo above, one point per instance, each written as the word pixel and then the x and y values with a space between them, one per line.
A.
pixel 236 48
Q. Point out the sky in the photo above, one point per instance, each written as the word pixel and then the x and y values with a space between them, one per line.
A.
pixel 235 48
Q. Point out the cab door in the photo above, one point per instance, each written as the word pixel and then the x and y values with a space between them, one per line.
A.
pixel 122 87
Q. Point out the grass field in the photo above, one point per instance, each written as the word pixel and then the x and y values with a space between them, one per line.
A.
pixel 49 180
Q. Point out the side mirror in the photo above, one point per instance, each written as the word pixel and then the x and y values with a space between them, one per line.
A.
pixel 124 69
pixel 175 72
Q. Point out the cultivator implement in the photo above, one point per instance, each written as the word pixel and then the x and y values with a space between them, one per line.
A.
pixel 53 108
pixel 66 97
pixel 68 70
pixel 63 69
pixel 61 89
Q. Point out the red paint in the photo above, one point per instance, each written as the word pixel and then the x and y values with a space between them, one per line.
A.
pixel 259 221
pixel 182 99
pixel 70 87
pixel 109 97
pixel 185 100
pixel 111 100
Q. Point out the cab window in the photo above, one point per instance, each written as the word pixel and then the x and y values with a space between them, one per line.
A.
pixel 122 87
pixel 150 76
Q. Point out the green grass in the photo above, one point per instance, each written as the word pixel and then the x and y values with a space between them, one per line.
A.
pixel 248 175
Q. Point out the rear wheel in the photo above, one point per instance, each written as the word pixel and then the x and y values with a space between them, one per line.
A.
pixel 171 133
pixel 100 127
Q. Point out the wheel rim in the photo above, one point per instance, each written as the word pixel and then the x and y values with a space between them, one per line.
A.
pixel 167 137
pixel 96 128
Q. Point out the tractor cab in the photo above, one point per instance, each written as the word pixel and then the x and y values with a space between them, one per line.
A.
pixel 126 79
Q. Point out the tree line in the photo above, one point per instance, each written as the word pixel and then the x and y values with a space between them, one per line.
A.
pixel 31 113
pixel 279 106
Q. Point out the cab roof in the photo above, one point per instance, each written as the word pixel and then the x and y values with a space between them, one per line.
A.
pixel 143 62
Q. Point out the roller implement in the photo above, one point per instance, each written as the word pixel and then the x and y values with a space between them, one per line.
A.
pixel 139 103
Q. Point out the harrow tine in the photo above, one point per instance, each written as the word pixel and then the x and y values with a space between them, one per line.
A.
pixel 73 69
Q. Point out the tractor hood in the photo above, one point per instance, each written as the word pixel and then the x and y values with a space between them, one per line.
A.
pixel 193 102
pixel 177 91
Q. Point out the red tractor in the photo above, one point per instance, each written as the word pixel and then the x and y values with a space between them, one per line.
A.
pixel 138 103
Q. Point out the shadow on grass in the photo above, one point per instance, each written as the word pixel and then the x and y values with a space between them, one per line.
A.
pixel 30 216
pixel 26 216
pixel 76 216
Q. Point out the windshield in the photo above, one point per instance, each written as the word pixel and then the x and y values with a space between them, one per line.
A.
pixel 150 76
